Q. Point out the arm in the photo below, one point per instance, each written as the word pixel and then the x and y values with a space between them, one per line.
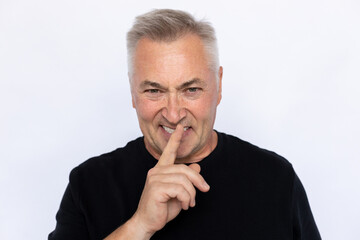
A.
pixel 129 230
pixel 303 221
pixel 70 221
pixel 168 189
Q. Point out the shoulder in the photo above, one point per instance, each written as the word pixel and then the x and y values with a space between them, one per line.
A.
pixel 108 163
pixel 252 156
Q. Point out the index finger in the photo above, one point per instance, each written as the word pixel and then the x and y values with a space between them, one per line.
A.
pixel 170 151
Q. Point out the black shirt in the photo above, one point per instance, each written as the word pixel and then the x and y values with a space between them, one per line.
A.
pixel 254 194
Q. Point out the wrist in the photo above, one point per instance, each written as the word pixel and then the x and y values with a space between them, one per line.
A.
pixel 132 230
pixel 137 228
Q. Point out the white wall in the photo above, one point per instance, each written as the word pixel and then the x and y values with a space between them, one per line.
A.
pixel 291 73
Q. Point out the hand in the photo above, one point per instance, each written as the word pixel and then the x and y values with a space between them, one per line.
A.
pixel 169 187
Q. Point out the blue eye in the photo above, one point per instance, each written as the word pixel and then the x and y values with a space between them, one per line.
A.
pixel 152 90
pixel 193 90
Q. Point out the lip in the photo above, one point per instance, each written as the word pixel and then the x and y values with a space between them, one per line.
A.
pixel 167 135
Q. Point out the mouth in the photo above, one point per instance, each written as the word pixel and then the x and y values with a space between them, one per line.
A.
pixel 171 130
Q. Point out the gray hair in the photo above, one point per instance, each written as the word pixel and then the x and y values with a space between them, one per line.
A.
pixel 166 25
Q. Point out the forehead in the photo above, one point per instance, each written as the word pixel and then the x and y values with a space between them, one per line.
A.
pixel 189 43
pixel 185 55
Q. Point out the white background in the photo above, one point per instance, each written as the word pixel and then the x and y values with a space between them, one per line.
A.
pixel 291 73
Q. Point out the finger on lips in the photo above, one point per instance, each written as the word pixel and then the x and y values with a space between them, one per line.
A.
pixel 178 180
pixel 170 151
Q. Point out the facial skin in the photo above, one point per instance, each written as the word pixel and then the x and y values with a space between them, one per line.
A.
pixel 172 85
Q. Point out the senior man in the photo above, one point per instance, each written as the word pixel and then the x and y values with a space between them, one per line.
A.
pixel 182 179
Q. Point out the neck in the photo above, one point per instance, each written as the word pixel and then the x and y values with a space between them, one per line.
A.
pixel 193 157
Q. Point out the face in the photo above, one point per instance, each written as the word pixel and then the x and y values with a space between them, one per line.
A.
pixel 172 84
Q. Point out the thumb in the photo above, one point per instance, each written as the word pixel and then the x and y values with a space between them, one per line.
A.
pixel 195 167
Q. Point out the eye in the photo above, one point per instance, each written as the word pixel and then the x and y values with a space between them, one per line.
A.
pixel 192 90
pixel 153 93
pixel 153 90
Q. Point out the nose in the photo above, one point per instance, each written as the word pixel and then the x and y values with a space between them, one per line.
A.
pixel 174 110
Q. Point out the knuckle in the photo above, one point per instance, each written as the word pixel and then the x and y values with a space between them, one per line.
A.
pixel 193 191
pixel 182 177
pixel 179 188
pixel 187 197
pixel 188 172
pixel 150 180
pixel 184 168
pixel 151 172
pixel 184 191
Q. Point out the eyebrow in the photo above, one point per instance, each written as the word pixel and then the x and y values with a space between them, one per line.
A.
pixel 147 83
pixel 191 82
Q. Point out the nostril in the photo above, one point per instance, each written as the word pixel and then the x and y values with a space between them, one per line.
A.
pixel 182 113
pixel 164 112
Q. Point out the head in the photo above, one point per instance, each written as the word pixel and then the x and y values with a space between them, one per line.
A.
pixel 166 25
pixel 175 79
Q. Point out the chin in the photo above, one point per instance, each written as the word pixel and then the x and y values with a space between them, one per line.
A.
pixel 184 153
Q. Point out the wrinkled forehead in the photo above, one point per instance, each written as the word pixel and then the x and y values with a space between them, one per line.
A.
pixel 186 54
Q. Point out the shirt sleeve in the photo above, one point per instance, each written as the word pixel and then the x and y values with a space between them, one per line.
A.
pixel 303 221
pixel 70 222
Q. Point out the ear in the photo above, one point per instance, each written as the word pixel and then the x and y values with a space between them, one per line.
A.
pixel 220 75
pixel 131 91
pixel 133 102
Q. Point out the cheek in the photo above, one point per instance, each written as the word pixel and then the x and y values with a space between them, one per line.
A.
pixel 146 110
pixel 204 109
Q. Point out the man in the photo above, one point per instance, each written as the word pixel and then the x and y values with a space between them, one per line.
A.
pixel 182 179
